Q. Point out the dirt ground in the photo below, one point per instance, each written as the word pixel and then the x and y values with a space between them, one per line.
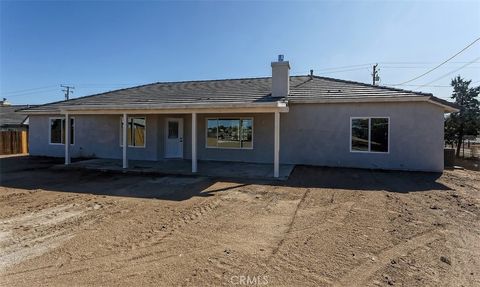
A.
pixel 322 227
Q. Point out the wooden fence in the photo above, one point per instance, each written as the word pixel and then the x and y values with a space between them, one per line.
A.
pixel 13 142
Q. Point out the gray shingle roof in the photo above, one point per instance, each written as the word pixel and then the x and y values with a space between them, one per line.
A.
pixel 322 87
pixel 247 90
pixel 8 116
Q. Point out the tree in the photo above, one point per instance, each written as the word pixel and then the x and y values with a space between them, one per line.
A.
pixel 467 120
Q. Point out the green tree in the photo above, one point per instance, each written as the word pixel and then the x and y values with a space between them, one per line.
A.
pixel 467 120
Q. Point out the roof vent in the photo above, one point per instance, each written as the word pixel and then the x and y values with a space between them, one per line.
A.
pixel 280 58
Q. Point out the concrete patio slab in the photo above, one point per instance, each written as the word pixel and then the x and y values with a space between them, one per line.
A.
pixel 220 169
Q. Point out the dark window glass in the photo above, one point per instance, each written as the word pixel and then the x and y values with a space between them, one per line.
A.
pixel 212 128
pixel 172 130
pixel 360 134
pixel 379 135
pixel 56 133
pixel 72 130
pixel 246 133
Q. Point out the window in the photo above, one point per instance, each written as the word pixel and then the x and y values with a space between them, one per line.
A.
pixel 57 131
pixel 369 135
pixel 135 131
pixel 172 130
pixel 230 133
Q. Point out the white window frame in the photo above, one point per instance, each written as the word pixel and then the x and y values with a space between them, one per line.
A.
pixel 369 135
pixel 121 131
pixel 62 130
pixel 228 118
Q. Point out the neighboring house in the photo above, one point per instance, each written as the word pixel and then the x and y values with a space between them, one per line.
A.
pixel 308 120
pixel 10 120
pixel 13 129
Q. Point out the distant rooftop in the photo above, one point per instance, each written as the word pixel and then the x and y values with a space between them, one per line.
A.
pixel 8 116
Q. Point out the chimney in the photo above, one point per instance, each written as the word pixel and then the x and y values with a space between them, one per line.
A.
pixel 280 78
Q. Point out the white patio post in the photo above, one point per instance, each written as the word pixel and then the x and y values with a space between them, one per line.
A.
pixel 276 155
pixel 194 142
pixel 67 139
pixel 124 141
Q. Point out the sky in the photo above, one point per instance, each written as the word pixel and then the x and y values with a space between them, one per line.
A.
pixel 107 45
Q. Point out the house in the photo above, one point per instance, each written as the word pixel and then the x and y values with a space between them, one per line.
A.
pixel 13 129
pixel 308 120
pixel 10 120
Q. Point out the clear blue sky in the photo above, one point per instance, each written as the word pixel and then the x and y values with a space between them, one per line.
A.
pixel 101 46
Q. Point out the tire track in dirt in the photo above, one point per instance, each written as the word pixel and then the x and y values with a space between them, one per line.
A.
pixel 293 266
pixel 290 225
pixel 188 217
pixel 224 259
pixel 145 255
pixel 18 243
pixel 291 260
pixel 363 272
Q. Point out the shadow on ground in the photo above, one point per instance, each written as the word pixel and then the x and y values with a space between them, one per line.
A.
pixel 365 179
pixel 468 163
pixel 33 173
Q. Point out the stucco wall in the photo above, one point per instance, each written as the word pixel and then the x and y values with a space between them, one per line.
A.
pixel 313 134
pixel 95 136
pixel 320 135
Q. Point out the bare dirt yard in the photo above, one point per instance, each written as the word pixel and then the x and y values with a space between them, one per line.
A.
pixel 322 227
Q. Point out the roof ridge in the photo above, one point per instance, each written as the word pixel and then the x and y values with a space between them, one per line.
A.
pixel 303 82
pixel 373 86
pixel 215 80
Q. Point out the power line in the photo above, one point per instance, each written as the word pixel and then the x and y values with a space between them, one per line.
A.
pixel 420 67
pixel 26 90
pixel 105 84
pixel 419 63
pixel 433 86
pixel 449 73
pixel 345 67
pixel 346 70
pixel 436 67
pixel 30 93
pixel 425 64
pixel 298 72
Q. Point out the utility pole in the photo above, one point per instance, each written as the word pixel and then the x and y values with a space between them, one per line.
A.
pixel 67 90
pixel 375 77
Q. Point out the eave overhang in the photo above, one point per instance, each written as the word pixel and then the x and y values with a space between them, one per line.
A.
pixel 167 108
pixel 447 106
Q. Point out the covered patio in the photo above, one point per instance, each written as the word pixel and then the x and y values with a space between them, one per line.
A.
pixel 219 169
pixel 179 166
